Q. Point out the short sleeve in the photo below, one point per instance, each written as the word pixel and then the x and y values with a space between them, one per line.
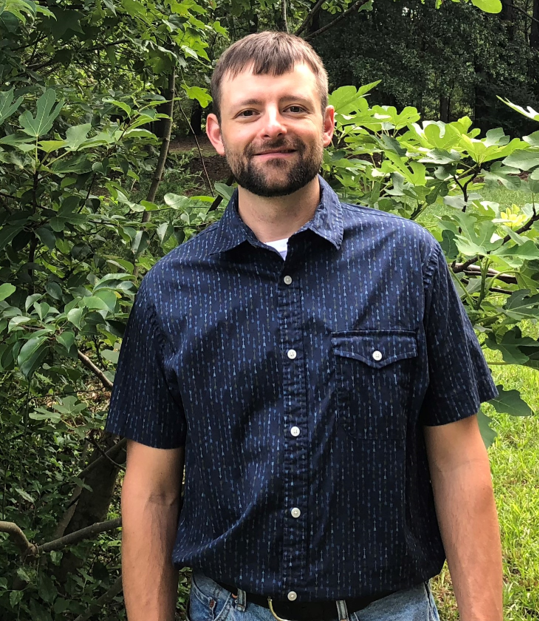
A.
pixel 145 405
pixel 459 377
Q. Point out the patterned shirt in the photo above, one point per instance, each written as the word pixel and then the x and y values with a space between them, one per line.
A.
pixel 299 389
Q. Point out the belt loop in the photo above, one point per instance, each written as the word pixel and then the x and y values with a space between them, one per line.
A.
pixel 342 610
pixel 241 601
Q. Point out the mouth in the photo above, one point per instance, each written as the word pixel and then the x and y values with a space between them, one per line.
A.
pixel 275 153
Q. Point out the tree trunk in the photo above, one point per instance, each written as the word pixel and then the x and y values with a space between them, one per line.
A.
pixel 445 108
pixel 92 506
pixel 508 14
pixel 195 122
pixel 534 33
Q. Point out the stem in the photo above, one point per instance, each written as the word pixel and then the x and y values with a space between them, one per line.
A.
pixel 95 370
pixel 165 146
pixel 310 16
pixel 354 7
pixel 208 180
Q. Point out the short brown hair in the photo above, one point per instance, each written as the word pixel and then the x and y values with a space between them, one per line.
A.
pixel 268 52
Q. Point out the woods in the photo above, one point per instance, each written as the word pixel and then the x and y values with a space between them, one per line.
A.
pixel 436 114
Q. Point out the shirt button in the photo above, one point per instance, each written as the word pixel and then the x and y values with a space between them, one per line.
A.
pixel 291 354
pixel 295 512
pixel 287 280
pixel 295 431
pixel 377 355
pixel 292 596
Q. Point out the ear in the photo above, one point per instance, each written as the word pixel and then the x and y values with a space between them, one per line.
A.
pixel 329 125
pixel 214 133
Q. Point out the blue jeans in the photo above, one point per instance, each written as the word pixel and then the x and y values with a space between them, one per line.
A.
pixel 210 602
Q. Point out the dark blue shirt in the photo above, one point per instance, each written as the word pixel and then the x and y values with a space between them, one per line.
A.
pixel 300 389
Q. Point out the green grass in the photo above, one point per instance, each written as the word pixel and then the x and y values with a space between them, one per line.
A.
pixel 514 460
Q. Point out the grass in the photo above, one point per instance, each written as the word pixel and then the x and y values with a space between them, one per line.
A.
pixel 514 460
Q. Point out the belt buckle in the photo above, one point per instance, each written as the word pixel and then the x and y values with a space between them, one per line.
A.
pixel 270 603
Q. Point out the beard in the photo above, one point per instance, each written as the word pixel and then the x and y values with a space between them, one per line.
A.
pixel 276 177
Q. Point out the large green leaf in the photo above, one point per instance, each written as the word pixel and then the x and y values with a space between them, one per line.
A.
pixel 510 402
pixel 46 114
pixel 488 6
pixel 523 160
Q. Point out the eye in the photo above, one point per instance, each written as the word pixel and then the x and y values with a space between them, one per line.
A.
pixel 245 114
pixel 296 109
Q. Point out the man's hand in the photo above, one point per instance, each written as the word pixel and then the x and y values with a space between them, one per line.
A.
pixel 467 516
pixel 150 501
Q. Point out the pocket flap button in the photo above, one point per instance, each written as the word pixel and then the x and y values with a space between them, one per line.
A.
pixel 377 355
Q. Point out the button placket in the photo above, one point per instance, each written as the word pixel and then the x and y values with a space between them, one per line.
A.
pixel 296 479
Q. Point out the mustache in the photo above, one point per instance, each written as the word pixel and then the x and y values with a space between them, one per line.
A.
pixel 272 145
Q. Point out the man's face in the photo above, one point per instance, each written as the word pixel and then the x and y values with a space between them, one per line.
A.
pixel 272 130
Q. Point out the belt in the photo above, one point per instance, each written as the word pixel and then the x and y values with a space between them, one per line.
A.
pixel 307 611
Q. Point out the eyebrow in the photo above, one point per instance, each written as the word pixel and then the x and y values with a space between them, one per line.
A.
pixel 253 101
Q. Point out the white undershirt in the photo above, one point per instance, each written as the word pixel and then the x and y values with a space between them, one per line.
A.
pixel 281 245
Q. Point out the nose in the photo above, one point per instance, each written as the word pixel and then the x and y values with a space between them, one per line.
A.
pixel 274 125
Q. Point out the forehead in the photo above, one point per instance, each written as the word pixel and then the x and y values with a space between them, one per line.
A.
pixel 300 82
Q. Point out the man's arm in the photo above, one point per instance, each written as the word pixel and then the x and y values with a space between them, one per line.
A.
pixel 150 502
pixel 466 510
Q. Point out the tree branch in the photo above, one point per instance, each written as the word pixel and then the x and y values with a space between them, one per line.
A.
pixel 283 10
pixel 108 455
pixel 95 370
pixel 310 16
pixel 26 548
pixel 514 6
pixel 18 536
pixel 357 5
pixel 104 454
pixel 104 599
pixel 462 267
pixel 79 535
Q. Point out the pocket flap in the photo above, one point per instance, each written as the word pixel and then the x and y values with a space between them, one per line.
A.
pixel 375 348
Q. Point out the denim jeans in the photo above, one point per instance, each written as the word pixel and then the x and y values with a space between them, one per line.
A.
pixel 210 602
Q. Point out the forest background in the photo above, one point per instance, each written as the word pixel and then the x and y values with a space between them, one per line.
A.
pixel 100 102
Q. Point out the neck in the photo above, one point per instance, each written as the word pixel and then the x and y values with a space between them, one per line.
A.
pixel 278 217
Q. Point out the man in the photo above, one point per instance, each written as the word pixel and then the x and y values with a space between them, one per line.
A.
pixel 313 363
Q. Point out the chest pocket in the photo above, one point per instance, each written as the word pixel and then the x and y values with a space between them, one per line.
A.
pixel 373 371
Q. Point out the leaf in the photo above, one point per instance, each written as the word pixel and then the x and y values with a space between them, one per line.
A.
pixel 47 237
pixel 529 112
pixel 6 290
pixel 24 494
pixel 226 191
pixel 177 202
pixel 74 316
pixel 42 414
pixel 7 107
pixel 510 402
pixel 76 136
pixel 523 160
pixel 111 355
pixel 66 339
pixel 487 433
pixel 32 354
pixel 45 115
pixel 200 94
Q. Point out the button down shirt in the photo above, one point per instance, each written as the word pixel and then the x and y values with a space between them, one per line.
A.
pixel 299 389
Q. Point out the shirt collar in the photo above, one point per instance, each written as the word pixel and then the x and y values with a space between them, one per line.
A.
pixel 327 222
